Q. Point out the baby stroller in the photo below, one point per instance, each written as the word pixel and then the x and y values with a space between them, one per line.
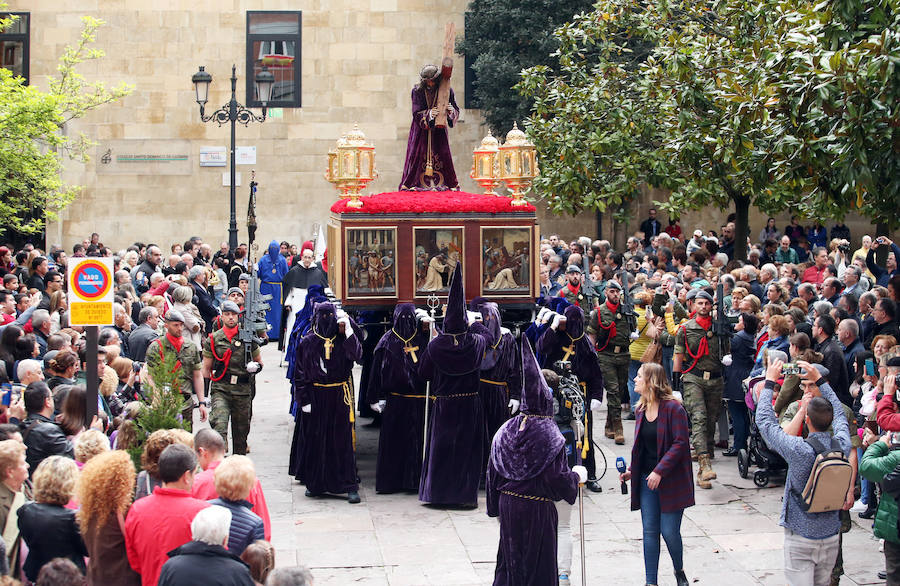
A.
pixel 770 464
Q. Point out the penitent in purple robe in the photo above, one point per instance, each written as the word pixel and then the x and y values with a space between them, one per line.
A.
pixel 527 473
pixel 395 379
pixel 326 454
pixel 426 141
pixel 454 453
pixel 501 373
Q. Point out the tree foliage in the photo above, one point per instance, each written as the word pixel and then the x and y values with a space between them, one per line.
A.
pixel 777 104
pixel 33 141
pixel 502 38
pixel 164 403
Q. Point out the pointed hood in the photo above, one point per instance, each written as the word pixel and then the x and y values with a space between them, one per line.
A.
pixel 404 322
pixel 455 318
pixel 274 248
pixel 537 399
pixel 490 314
pixel 325 319
pixel 530 441
pixel 574 321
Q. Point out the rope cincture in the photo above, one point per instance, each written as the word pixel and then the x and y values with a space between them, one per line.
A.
pixel 347 388
pixel 526 496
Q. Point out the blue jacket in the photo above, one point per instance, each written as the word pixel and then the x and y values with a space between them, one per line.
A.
pixel 246 526
pixel 743 350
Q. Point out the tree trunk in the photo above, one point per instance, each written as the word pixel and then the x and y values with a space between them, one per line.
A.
pixel 741 226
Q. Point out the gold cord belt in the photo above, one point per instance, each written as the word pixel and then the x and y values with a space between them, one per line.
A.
pixel 456 396
pixel 347 387
pixel 411 396
pixel 526 496
pixel 493 382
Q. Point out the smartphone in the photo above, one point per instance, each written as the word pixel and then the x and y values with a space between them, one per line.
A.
pixel 789 368
pixel 7 394
pixel 871 426
pixel 870 367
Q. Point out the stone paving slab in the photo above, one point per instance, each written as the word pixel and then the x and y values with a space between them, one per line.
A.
pixel 730 537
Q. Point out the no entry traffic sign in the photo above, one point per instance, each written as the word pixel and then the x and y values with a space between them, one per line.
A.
pixel 91 291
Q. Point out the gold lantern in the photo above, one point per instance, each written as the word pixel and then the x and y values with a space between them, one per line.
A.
pixel 351 165
pixel 484 164
pixel 518 164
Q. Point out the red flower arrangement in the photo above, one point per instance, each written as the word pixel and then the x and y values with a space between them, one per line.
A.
pixel 430 202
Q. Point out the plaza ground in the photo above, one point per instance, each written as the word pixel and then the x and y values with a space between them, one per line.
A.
pixel 731 536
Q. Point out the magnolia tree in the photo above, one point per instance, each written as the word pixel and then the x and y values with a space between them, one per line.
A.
pixel 777 105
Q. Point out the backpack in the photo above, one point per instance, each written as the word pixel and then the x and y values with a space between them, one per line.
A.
pixel 829 480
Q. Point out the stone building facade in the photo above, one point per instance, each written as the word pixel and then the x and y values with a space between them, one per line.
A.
pixel 357 63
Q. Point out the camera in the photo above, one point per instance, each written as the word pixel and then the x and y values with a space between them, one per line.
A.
pixel 880 240
pixel 843 247
pixel 136 366
pixel 789 368
pixel 897 380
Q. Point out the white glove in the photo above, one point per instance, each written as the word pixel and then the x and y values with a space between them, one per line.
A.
pixel 253 367
pixel 504 331
pixel 581 471
pixel 379 406
pixel 726 360
pixel 348 329
pixel 340 314
pixel 555 323
pixel 473 316
pixel 634 335
pixel 513 406
pixel 307 408
pixel 542 315
pixel 427 319
pixel 595 405
pixel 421 313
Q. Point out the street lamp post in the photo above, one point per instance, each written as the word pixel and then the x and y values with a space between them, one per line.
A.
pixel 233 112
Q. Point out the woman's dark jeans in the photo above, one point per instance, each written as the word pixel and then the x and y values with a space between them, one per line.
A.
pixel 655 523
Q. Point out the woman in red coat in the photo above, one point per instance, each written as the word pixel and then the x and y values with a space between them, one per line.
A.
pixel 660 472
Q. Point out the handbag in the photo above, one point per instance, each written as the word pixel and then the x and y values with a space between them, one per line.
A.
pixel 653 352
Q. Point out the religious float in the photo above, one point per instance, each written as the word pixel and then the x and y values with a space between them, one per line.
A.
pixel 402 246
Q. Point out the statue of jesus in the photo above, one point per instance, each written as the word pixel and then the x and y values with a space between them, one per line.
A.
pixel 429 166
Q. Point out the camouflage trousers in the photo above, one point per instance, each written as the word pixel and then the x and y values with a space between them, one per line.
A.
pixel 187 412
pixel 703 402
pixel 615 380
pixel 234 402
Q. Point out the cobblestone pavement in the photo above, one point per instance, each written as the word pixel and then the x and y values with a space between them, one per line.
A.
pixel 730 537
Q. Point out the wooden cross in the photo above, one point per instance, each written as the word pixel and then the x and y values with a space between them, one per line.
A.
pixel 569 350
pixel 328 346
pixel 443 95
pixel 411 350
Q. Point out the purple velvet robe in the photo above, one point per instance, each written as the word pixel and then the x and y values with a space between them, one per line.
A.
pixel 501 374
pixel 527 472
pixel 444 175
pixel 454 452
pixel 395 379
pixel 527 551
pixel 551 347
pixel 325 459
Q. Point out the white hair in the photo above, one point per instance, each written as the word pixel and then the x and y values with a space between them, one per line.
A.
pixel 26 367
pixel 769 268
pixel 195 272
pixel 211 525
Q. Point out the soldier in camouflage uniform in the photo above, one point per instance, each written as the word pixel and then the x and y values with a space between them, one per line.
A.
pixel 609 326
pixel 575 292
pixel 224 363
pixel 187 362
pixel 701 376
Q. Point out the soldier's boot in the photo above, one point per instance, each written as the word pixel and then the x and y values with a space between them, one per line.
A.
pixel 607 429
pixel 703 459
pixel 708 472
pixel 618 432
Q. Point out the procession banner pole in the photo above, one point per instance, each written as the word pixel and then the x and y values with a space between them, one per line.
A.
pixel 581 531
pixel 433 303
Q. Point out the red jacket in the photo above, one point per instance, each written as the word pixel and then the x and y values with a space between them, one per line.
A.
pixel 886 414
pixel 813 275
pixel 205 489
pixel 156 525
pixel 673 449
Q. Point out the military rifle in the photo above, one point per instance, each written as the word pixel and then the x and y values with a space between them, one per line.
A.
pixel 721 325
pixel 627 300
pixel 255 306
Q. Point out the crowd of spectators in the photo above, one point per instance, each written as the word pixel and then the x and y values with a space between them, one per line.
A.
pixel 800 298
pixel 74 506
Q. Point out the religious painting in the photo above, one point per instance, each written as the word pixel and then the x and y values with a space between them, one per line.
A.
pixel 505 261
pixel 371 262
pixel 437 250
